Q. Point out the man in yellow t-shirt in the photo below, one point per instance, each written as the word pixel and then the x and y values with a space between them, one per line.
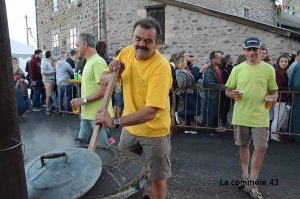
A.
pixel 146 118
pixel 91 95
pixel 249 84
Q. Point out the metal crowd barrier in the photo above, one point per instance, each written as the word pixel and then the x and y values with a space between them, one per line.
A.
pixel 78 89
pixel 197 126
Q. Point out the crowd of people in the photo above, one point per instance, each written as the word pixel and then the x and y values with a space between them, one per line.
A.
pixel 210 101
pixel 144 86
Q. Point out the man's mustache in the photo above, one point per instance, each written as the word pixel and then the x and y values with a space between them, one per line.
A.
pixel 142 48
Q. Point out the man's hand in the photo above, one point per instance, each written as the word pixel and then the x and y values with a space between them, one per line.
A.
pixel 33 83
pixel 77 102
pixel 274 97
pixel 235 94
pixel 103 117
pixel 114 65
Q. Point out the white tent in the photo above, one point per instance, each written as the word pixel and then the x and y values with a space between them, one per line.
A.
pixel 22 52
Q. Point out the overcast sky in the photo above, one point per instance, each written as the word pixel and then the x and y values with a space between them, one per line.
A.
pixel 16 11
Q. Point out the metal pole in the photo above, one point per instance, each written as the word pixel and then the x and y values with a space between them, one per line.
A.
pixel 12 183
pixel 26 18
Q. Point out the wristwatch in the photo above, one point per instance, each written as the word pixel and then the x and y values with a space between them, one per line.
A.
pixel 85 100
pixel 117 122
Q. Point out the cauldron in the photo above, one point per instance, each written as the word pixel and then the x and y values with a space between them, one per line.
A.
pixel 124 175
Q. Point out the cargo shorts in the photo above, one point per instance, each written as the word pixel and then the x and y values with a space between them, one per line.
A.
pixel 156 150
pixel 243 135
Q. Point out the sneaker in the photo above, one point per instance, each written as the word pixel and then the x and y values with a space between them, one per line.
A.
pixel 36 109
pixel 177 118
pixel 48 112
pixel 111 140
pixel 44 105
pixel 42 108
pixel 191 132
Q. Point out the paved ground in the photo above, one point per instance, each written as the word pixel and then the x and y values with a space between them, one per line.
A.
pixel 199 163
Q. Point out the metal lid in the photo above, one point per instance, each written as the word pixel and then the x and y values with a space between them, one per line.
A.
pixel 70 174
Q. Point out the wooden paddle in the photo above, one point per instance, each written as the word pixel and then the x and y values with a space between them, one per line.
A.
pixel 105 103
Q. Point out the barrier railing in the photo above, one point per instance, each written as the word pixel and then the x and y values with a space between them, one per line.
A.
pixel 71 82
pixel 206 93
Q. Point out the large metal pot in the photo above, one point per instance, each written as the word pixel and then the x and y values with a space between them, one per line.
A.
pixel 68 175
pixel 124 175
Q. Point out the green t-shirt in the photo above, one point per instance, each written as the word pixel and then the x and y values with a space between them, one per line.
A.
pixel 256 82
pixel 93 69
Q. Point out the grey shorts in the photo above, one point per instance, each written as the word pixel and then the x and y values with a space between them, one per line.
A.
pixel 155 150
pixel 243 135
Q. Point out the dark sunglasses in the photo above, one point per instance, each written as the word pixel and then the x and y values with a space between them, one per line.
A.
pixel 253 49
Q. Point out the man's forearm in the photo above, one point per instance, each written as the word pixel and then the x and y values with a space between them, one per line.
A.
pixel 99 94
pixel 104 79
pixel 139 117
pixel 275 93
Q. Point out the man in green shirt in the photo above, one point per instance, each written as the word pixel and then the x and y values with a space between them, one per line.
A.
pixel 250 117
pixel 91 91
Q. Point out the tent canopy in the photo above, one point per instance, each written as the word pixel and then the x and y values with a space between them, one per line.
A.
pixel 21 50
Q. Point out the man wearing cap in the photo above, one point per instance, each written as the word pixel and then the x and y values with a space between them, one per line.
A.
pixel 250 117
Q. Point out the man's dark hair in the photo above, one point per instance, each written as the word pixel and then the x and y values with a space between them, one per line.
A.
pixel 298 52
pixel 264 48
pixel 73 52
pixel 22 76
pixel 117 52
pixel 191 56
pixel 101 48
pixel 219 51
pixel 48 54
pixel 13 58
pixel 38 51
pixel 212 55
pixel 148 23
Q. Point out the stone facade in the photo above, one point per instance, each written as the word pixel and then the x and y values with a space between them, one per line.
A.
pixel 259 10
pixel 195 32
pixel 287 18
pixel 68 16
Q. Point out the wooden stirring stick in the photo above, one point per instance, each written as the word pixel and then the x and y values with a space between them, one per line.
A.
pixel 105 103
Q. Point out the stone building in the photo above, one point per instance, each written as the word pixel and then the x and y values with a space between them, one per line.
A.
pixel 291 18
pixel 197 26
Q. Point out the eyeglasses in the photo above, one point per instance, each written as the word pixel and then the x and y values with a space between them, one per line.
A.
pixel 251 49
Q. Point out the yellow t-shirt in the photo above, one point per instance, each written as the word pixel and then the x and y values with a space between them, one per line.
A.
pixel 93 69
pixel 147 83
pixel 256 81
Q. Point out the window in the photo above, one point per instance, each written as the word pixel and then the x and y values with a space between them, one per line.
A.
pixel 55 5
pixel 158 13
pixel 55 44
pixel 246 13
pixel 73 39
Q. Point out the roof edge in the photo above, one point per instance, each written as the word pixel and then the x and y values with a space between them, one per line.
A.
pixel 233 18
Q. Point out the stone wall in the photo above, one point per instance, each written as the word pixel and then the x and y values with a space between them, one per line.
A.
pixel 195 32
pixel 68 16
pixel 259 10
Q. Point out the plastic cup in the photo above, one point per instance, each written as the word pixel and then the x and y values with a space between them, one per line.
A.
pixel 76 109
pixel 268 102
pixel 240 97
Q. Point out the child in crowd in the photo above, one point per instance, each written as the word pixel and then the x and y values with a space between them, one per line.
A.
pixel 23 86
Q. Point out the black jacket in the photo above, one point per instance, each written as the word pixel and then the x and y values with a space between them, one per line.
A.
pixel 211 80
